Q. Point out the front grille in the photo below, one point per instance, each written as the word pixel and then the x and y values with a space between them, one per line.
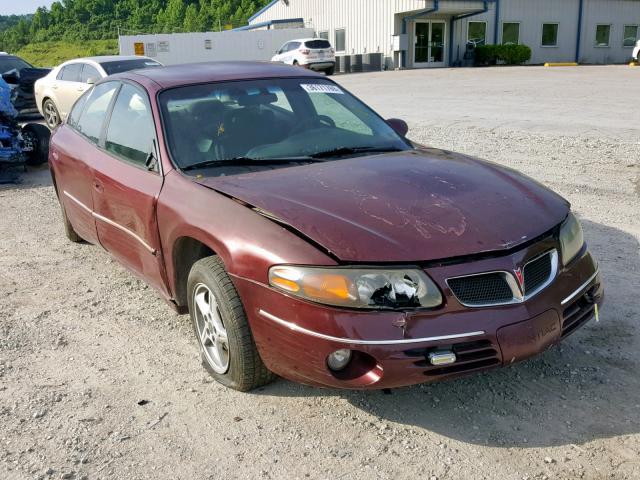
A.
pixel 579 312
pixel 501 287
pixel 470 356
pixel 537 273
pixel 481 289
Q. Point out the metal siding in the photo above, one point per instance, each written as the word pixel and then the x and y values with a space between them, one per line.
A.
pixel 618 13
pixel 190 47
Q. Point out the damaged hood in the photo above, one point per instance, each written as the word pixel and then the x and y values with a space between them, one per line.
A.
pixel 402 207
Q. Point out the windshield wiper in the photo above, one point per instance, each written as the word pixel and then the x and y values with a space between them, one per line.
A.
pixel 337 152
pixel 248 161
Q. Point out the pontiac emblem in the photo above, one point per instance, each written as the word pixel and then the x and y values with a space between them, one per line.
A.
pixel 520 278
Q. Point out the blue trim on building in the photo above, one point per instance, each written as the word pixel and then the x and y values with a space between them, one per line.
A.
pixel 263 9
pixel 496 23
pixel 269 22
pixel 579 33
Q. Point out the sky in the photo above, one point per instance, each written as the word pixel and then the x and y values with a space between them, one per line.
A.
pixel 8 7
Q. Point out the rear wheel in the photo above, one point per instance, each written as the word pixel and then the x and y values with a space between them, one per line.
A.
pixel 51 114
pixel 226 344
pixel 330 71
pixel 36 139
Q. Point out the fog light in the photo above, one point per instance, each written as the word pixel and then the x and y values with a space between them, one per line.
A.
pixel 339 359
pixel 442 357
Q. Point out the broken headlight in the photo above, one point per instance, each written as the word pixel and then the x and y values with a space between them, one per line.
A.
pixel 358 287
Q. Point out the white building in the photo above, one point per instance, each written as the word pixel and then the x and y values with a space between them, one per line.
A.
pixel 434 33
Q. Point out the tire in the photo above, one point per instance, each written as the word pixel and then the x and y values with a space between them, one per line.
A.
pixel 38 137
pixel 330 71
pixel 51 114
pixel 227 348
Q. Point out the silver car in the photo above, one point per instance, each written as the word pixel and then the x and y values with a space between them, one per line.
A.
pixel 57 92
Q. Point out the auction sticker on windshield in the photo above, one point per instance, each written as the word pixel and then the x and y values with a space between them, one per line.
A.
pixel 319 88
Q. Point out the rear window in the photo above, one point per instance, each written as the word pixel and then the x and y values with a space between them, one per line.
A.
pixel 317 44
pixel 119 66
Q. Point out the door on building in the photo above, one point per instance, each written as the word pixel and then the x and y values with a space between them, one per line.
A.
pixel 429 43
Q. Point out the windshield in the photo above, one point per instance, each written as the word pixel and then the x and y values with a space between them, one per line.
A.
pixel 119 66
pixel 271 119
pixel 12 63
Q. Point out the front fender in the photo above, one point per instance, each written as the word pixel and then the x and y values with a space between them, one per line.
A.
pixel 247 242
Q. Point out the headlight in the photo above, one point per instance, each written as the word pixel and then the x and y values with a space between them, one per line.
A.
pixel 358 287
pixel 571 238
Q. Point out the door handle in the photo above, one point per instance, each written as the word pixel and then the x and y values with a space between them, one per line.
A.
pixel 98 186
pixel 55 87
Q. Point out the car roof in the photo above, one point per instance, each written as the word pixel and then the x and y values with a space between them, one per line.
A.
pixel 113 58
pixel 193 73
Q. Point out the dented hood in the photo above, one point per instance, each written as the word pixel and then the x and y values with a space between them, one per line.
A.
pixel 402 207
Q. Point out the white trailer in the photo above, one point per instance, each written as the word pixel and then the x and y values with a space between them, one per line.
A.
pixel 177 48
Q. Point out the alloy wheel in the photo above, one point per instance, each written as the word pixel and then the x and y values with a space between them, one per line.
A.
pixel 212 333
pixel 51 115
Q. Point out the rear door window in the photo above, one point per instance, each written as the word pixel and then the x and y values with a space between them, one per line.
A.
pixel 293 46
pixel 131 133
pixel 89 72
pixel 317 44
pixel 95 110
pixel 71 72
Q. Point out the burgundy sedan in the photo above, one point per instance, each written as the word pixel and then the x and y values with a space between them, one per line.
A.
pixel 308 238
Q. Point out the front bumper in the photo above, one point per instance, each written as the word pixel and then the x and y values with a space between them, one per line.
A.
pixel 391 349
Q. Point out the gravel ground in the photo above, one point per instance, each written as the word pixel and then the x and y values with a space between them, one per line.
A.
pixel 100 379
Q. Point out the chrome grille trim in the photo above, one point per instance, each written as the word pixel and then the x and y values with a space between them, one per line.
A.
pixel 552 274
pixel 519 296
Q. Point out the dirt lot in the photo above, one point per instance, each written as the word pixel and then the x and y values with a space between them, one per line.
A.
pixel 99 379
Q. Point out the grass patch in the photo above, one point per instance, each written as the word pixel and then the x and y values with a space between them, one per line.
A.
pixel 50 54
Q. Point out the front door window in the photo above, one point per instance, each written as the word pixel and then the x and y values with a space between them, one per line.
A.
pixel 429 47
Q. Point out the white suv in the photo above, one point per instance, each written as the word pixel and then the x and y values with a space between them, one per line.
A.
pixel 312 53
pixel 636 52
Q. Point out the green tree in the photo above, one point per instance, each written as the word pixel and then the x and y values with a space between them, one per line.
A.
pixel 191 19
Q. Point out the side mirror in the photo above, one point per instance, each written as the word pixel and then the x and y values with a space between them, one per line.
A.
pixel 91 80
pixel 400 126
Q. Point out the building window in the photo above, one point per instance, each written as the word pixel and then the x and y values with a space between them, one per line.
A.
pixel 510 33
pixel 602 35
pixel 341 34
pixel 549 34
pixel 324 35
pixel 477 33
pixel 630 35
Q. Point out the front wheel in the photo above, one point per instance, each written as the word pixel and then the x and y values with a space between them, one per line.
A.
pixel 226 344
